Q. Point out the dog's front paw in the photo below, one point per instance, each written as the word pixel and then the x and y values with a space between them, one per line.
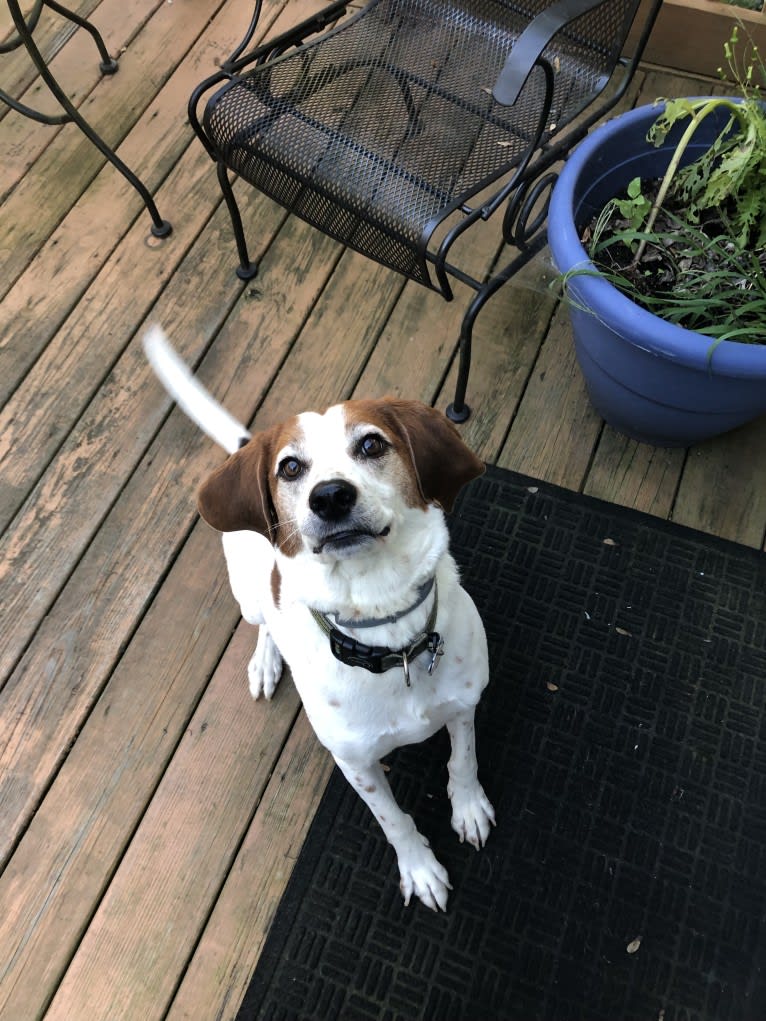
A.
pixel 472 814
pixel 265 668
pixel 422 874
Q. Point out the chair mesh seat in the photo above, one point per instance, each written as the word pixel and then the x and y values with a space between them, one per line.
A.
pixel 377 131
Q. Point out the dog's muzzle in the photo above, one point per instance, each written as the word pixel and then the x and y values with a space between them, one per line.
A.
pixel 333 503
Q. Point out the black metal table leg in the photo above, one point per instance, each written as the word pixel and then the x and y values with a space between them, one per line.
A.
pixel 24 28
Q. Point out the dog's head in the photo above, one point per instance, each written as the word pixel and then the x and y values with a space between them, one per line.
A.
pixel 338 484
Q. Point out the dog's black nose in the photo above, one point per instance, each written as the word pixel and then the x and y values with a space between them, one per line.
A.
pixel 332 501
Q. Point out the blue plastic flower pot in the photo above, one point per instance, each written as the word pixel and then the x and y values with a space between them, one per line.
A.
pixel 647 378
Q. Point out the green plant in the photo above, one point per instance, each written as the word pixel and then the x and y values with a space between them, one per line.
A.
pixel 752 5
pixel 710 286
pixel 695 251
pixel 636 207
pixel 732 171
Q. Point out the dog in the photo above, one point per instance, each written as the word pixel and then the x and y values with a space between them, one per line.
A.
pixel 337 548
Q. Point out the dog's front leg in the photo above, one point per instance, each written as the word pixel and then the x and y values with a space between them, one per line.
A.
pixel 472 812
pixel 419 869
pixel 265 666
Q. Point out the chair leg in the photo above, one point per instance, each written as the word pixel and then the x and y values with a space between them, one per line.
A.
pixel 108 64
pixel 458 411
pixel 246 269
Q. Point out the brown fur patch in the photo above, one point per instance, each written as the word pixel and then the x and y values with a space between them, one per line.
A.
pixel 380 414
pixel 438 461
pixel 288 538
pixel 276 585
pixel 243 493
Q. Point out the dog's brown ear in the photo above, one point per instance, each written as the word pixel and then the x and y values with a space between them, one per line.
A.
pixel 236 496
pixel 442 461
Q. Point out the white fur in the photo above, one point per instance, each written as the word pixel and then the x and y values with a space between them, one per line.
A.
pixel 359 716
pixel 190 395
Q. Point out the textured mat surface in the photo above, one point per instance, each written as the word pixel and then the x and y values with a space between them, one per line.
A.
pixel 622 741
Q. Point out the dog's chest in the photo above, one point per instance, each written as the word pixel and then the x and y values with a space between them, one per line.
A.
pixel 356 713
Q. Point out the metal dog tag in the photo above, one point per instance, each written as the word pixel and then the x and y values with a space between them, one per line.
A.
pixel 436 648
pixel 406 668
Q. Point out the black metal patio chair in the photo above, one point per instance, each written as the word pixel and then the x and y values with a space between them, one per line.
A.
pixel 411 121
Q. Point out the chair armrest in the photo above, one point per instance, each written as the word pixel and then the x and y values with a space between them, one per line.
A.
pixel 529 46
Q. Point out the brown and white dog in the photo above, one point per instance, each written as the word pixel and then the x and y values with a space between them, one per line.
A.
pixel 337 547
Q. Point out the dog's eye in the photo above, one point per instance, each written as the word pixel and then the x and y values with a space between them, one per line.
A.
pixel 290 468
pixel 372 445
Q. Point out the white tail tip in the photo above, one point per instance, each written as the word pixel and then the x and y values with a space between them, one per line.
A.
pixel 190 395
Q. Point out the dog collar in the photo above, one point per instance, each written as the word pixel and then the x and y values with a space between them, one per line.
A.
pixel 378 658
pixel 367 622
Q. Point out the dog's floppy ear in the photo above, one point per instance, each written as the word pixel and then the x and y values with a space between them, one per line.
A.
pixel 443 463
pixel 236 496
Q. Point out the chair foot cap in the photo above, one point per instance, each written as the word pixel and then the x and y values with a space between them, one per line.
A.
pixel 109 66
pixel 247 272
pixel 458 415
pixel 162 229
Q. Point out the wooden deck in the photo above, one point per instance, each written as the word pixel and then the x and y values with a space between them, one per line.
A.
pixel 150 812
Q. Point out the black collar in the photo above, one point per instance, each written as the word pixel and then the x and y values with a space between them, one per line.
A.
pixel 378 658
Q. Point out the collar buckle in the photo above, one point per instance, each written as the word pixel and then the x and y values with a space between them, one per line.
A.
pixel 353 653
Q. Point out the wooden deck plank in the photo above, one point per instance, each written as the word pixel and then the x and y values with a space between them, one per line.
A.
pixel 51 35
pixel 34 559
pixel 422 331
pixel 174 35
pixel 147 925
pixel 561 451
pixel 71 160
pixel 634 474
pixel 70 898
pixel 723 486
pixel 63 864
pixel 76 253
pixel 218 974
pixel 94 337
pixel 111 584
pixel 507 338
pixel 329 355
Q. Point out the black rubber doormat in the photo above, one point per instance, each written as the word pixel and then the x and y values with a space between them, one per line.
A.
pixel 622 741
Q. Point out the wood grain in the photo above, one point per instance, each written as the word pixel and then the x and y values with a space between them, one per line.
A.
pixel 145 929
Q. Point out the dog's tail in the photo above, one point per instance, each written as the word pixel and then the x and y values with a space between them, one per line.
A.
pixel 190 395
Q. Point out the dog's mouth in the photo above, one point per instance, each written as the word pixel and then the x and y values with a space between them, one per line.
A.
pixel 348 539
